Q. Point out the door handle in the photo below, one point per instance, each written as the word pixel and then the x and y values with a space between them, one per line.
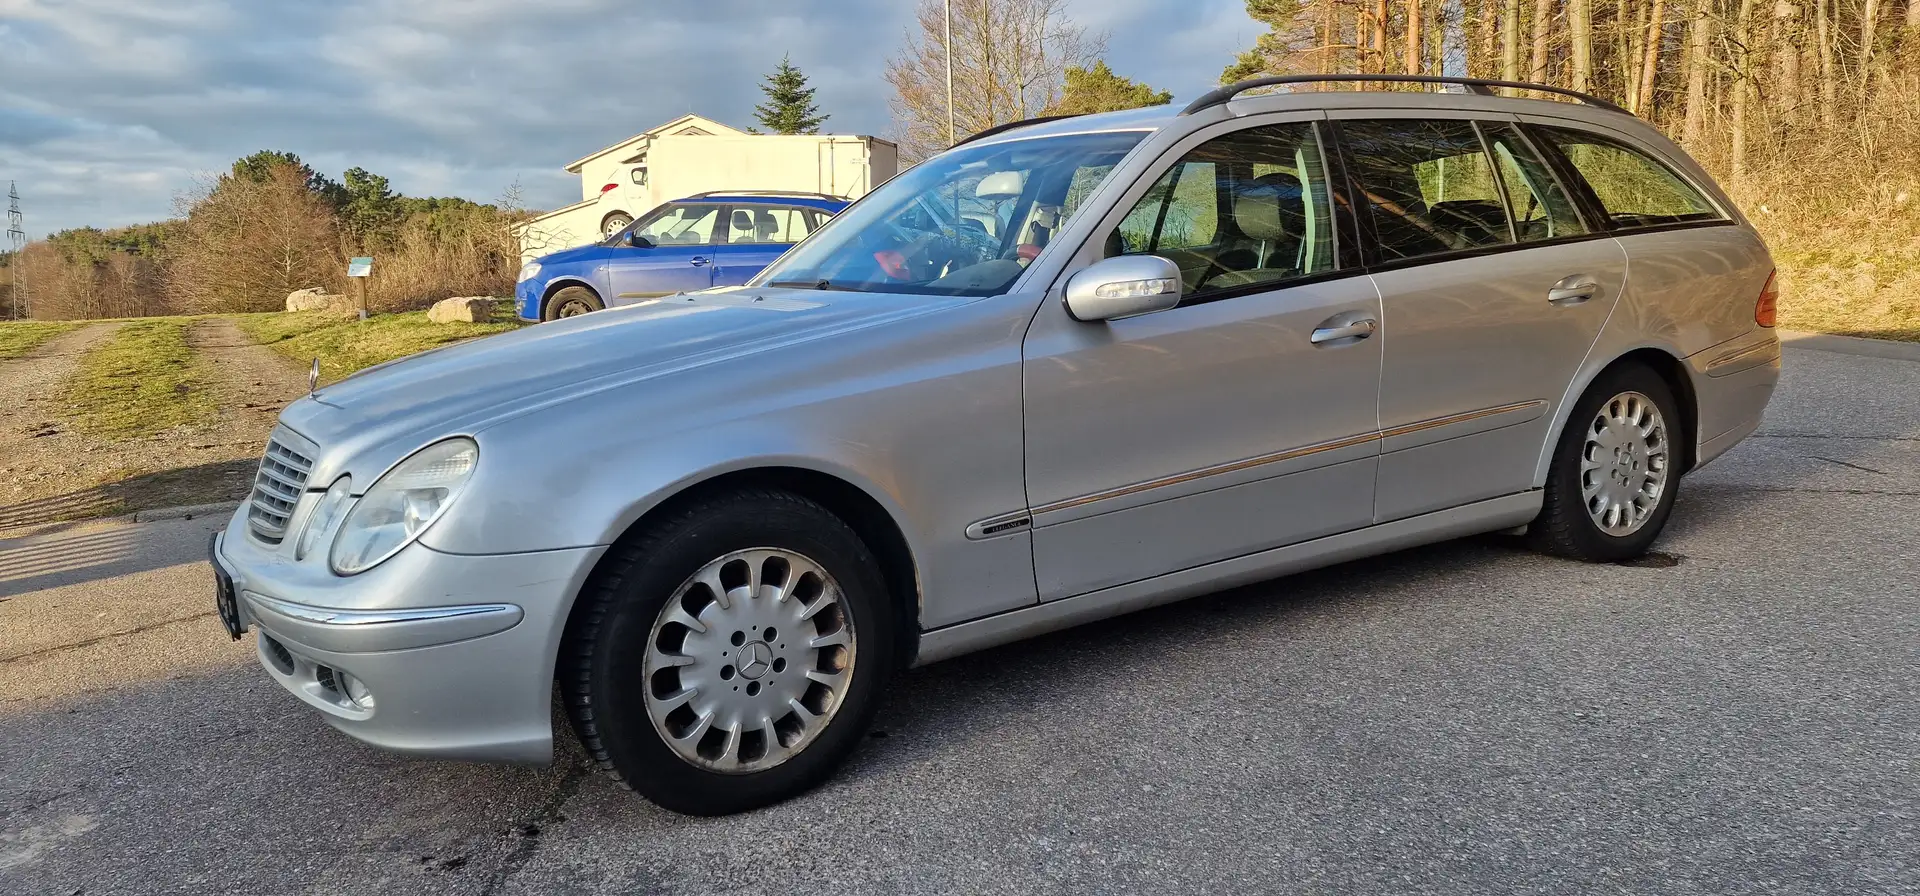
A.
pixel 696 261
pixel 1573 290
pixel 1359 329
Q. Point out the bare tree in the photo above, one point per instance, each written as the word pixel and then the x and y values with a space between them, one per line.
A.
pixel 1009 61
pixel 1698 65
pixel 246 243
pixel 1542 24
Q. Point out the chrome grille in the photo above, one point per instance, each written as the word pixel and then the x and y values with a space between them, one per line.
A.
pixel 276 490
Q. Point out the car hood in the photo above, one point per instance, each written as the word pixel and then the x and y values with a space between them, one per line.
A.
pixel 468 386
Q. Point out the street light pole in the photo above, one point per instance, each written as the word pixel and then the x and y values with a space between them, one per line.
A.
pixel 949 48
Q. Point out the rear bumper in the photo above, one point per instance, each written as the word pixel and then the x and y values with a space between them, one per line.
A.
pixel 470 676
pixel 1732 385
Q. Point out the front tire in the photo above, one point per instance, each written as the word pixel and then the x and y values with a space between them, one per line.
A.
pixel 572 301
pixel 730 655
pixel 1615 472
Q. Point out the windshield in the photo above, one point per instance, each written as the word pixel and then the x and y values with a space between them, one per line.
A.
pixel 964 223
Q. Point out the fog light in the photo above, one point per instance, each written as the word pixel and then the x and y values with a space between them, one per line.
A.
pixel 356 690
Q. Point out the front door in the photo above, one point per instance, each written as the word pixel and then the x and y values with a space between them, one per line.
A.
pixel 1239 421
pixel 1495 288
pixel 679 259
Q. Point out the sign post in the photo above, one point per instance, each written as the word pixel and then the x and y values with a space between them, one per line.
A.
pixel 360 268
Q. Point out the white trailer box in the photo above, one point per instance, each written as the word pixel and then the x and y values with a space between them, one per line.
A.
pixel 676 166
pixel 836 166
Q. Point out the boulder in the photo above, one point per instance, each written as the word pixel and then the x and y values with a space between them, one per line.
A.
pixel 314 298
pixel 467 309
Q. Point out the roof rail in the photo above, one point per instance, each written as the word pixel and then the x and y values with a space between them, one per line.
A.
pixel 1003 128
pixel 1481 86
pixel 712 193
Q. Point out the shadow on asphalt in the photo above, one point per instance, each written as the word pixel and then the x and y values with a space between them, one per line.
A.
pixel 64 558
pixel 947 701
pixel 203 484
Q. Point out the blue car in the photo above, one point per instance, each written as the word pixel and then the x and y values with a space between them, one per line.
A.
pixel 711 239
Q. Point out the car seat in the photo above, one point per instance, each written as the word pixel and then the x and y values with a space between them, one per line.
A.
pixel 765 227
pixel 742 226
pixel 1270 212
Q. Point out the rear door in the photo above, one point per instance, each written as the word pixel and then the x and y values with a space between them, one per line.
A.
pixel 1493 289
pixel 755 236
pixel 680 258
pixel 1692 264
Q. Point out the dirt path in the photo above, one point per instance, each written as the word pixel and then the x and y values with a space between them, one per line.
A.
pixel 50 473
pixel 36 442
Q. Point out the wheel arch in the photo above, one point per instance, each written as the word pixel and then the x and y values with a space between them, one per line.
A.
pixel 867 515
pixel 1663 362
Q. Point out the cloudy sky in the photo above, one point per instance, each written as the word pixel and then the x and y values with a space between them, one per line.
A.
pixel 109 108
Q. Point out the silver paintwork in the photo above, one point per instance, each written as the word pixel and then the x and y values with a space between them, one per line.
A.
pixel 1041 471
pixel 772 654
pixel 1624 463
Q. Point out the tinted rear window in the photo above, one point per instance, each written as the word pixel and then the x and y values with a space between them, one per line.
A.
pixel 1633 189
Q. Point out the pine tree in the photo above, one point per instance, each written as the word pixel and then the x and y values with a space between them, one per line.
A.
pixel 1098 89
pixel 789 108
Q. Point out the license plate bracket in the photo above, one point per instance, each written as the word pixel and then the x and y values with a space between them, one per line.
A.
pixel 225 600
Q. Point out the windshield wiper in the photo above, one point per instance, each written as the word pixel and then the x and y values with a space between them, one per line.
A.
pixel 803 284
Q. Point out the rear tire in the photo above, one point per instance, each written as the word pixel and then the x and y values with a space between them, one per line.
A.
pixel 684 693
pixel 1615 472
pixel 571 302
pixel 614 223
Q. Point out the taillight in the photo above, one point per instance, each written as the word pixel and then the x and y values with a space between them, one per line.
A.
pixel 609 187
pixel 1765 310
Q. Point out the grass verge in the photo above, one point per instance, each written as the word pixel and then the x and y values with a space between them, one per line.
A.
pixel 347 344
pixel 142 380
pixel 19 337
pixel 1871 297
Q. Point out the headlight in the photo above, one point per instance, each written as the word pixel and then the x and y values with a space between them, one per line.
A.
pixel 528 271
pixel 325 516
pixel 402 504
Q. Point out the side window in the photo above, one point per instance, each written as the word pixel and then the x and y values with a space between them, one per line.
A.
pixel 1429 186
pixel 1248 208
pixel 1542 210
pixel 1633 189
pixel 767 225
pixel 681 225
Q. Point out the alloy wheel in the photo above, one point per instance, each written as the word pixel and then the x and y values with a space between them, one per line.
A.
pixel 1624 463
pixel 748 660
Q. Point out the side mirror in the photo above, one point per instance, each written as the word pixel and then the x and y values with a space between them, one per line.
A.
pixel 639 242
pixel 1123 287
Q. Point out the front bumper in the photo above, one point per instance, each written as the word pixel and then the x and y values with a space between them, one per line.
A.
pixel 457 651
pixel 526 298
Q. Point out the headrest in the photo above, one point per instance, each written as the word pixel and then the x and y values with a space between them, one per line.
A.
pixel 742 220
pixel 1270 208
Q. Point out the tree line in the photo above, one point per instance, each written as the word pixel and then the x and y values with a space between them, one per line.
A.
pixel 268 226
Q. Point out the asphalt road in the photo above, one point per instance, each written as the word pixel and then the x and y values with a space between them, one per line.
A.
pixel 1463 718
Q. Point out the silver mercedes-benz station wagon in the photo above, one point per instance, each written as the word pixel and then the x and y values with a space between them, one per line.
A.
pixel 1067 369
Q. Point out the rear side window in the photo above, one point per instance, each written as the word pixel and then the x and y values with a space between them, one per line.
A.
pixel 1245 209
pixel 1429 186
pixel 1542 210
pixel 768 225
pixel 1632 188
